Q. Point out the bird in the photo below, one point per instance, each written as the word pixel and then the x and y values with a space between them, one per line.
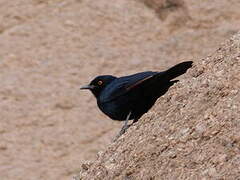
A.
pixel 129 97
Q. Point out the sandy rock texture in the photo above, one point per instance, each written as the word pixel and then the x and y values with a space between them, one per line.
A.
pixel 192 133
pixel 49 48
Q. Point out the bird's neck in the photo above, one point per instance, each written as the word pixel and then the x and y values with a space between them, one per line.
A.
pixel 96 93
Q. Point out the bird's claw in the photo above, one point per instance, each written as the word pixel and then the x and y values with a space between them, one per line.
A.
pixel 122 131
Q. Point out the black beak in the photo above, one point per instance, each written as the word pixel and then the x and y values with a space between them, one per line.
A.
pixel 87 87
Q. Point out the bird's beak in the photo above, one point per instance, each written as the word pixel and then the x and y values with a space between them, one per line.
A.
pixel 87 87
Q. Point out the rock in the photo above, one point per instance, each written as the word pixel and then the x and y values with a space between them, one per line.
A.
pixel 205 150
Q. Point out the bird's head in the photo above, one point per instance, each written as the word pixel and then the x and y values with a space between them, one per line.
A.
pixel 98 84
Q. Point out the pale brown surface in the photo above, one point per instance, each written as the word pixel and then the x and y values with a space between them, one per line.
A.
pixel 191 133
pixel 51 47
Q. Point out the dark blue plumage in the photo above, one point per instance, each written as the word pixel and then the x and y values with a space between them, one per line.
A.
pixel 133 95
pixel 116 100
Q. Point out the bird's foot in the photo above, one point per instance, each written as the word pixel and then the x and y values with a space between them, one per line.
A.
pixel 124 128
pixel 122 131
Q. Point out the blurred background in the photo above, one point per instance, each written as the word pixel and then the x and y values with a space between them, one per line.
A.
pixel 49 48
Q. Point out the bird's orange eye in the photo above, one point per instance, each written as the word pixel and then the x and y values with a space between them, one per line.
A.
pixel 100 83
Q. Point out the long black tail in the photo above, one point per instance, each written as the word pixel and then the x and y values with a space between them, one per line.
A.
pixel 177 70
pixel 163 79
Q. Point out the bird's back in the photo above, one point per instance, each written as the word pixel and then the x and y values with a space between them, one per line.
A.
pixel 120 85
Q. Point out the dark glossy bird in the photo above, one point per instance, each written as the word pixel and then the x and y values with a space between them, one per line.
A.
pixel 129 97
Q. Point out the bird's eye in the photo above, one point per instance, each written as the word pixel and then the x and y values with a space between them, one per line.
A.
pixel 100 83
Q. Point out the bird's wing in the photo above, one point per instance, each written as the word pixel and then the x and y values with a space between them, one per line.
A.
pixel 139 81
pixel 124 84
pixel 162 77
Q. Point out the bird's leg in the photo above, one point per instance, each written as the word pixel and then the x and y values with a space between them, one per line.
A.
pixel 125 126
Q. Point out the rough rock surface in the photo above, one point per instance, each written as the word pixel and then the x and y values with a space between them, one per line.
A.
pixel 51 47
pixel 192 133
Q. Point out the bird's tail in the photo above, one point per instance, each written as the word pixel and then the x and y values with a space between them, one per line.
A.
pixel 177 70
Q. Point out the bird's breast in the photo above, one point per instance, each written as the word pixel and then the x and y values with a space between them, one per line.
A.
pixel 117 109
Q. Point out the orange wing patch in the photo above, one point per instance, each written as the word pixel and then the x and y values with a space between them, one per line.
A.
pixel 137 83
